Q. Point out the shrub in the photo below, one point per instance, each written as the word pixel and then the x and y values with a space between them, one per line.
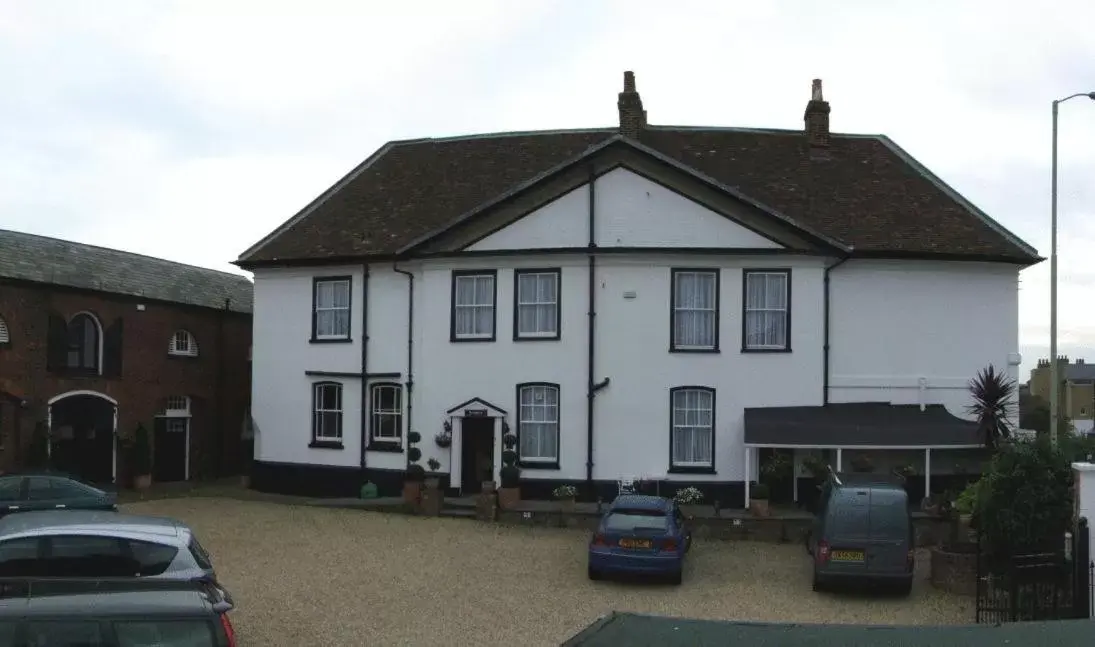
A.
pixel 815 466
pixel 565 492
pixel 141 452
pixel 414 454
pixel 510 476
pixel 688 495
pixel 1024 500
pixel 416 472
pixel 759 492
pixel 434 464
pixel 413 438
pixel 509 441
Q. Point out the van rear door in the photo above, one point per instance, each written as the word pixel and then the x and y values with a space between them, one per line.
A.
pixel 890 532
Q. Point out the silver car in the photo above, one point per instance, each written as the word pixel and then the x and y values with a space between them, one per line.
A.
pixel 98 544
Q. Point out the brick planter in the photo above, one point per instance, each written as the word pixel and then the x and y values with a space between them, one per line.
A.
pixel 954 568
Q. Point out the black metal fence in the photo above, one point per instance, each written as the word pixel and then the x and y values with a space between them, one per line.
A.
pixel 1053 584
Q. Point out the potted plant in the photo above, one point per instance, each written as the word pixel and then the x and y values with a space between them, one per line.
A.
pixel 433 479
pixel 444 437
pixel 416 474
pixel 818 470
pixel 431 496
pixel 777 471
pixel 688 499
pixel 509 495
pixel 758 500
pixel 566 495
pixel 141 459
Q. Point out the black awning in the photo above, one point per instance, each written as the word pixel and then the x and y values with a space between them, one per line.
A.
pixel 861 424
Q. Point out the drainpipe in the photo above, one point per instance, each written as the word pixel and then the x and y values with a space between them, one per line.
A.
pixel 592 388
pixel 364 361
pixel 410 349
pixel 825 341
pixel 221 427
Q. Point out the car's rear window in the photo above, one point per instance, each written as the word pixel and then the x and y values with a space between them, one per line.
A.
pixel 152 558
pixel 200 555
pixel 630 520
pixel 65 633
pixel 165 633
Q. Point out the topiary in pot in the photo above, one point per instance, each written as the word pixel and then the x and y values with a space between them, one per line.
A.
pixel 758 500
pixel 140 458
pixel 509 494
pixel 415 474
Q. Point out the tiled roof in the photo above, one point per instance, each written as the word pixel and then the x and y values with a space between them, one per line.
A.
pixel 859 423
pixel 40 259
pixel 866 192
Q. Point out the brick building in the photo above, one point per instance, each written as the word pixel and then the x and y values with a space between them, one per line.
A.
pixel 94 342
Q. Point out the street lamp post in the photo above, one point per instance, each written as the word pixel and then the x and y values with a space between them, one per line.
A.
pixel 1054 366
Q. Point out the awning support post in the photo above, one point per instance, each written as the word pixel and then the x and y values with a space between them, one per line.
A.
pixel 839 459
pixel 927 471
pixel 747 452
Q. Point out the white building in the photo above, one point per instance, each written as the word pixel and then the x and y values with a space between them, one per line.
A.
pixel 641 300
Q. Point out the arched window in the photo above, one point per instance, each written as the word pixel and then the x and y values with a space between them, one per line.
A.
pixel 183 344
pixel 85 338
pixel 5 335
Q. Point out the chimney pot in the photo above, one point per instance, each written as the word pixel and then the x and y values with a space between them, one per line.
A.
pixel 630 104
pixel 817 118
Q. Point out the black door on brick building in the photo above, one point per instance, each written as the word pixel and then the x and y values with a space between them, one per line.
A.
pixel 82 436
pixel 170 443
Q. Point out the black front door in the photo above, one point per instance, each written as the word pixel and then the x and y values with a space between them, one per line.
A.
pixel 169 449
pixel 476 453
pixel 82 438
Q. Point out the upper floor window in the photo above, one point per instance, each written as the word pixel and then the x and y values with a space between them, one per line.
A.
pixel 331 308
pixel 183 344
pixel 84 342
pixel 538 424
pixel 536 304
pixel 387 413
pixel 5 334
pixel 473 300
pixel 695 314
pixel 327 414
pixel 766 310
pixel 692 432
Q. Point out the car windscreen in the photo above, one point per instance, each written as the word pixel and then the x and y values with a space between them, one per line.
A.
pixel 636 520
pixel 165 633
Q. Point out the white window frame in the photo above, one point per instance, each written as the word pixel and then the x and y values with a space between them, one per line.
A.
pixel 175 406
pixel 335 282
pixel 526 301
pixel 784 312
pixel 474 307
pixel 189 347
pixel 712 312
pixel 675 427
pixel 317 412
pixel 378 413
pixel 550 424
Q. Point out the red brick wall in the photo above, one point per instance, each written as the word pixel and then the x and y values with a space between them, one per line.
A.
pixel 217 381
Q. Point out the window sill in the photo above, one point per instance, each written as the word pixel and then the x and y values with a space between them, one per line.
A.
pixel 537 338
pixel 465 340
pixel 682 469
pixel 377 446
pixel 338 340
pixel 5 344
pixel 538 465
pixel 673 349
pixel 183 356
pixel 325 444
pixel 766 350
pixel 65 371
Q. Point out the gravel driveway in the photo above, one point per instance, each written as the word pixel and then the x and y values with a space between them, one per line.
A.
pixel 316 576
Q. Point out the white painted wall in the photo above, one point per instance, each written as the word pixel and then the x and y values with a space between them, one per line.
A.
pixel 1084 474
pixel 632 211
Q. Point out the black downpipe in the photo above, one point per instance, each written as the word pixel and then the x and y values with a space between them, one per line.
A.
pixel 410 349
pixel 364 361
pixel 825 345
pixel 591 393
pixel 222 429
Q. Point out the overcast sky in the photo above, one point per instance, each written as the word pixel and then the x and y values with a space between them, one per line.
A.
pixel 189 130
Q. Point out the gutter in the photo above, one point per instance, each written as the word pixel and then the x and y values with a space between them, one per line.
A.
pixel 825 340
pixel 410 351
pixel 364 361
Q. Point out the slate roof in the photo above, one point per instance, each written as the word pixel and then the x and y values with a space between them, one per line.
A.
pixel 868 193
pixel 40 259
pixel 636 630
pixel 859 423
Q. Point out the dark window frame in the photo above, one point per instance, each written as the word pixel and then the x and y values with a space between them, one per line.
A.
pixel 385 443
pixel 675 347
pixel 540 464
pixel 517 274
pixel 327 442
pixel 316 281
pixel 694 469
pixel 80 345
pixel 5 333
pixel 455 276
pixel 745 274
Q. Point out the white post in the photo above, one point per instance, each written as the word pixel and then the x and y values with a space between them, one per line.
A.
pixel 747 457
pixel 927 471
pixel 839 459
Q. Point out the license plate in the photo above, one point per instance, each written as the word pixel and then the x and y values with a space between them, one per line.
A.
pixel 635 543
pixel 847 556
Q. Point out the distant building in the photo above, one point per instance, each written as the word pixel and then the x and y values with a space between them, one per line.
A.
pixel 1077 392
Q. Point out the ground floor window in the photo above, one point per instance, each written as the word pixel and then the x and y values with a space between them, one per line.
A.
pixel 692 433
pixel 538 422
pixel 327 412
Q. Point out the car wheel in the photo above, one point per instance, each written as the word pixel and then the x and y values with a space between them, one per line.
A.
pixel 809 536
pixel 676 577
pixel 594 574
pixel 819 586
pixel 905 588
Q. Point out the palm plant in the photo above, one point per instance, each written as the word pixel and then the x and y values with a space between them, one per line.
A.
pixel 993 404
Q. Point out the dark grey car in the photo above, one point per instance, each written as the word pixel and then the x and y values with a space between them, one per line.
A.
pixel 863 532
pixel 81 543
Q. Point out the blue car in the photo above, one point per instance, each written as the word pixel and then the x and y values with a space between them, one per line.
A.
pixel 640 534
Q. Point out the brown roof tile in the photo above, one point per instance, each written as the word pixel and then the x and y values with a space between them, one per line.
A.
pixel 866 192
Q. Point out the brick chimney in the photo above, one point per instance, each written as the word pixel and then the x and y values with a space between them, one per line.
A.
pixel 632 115
pixel 817 118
